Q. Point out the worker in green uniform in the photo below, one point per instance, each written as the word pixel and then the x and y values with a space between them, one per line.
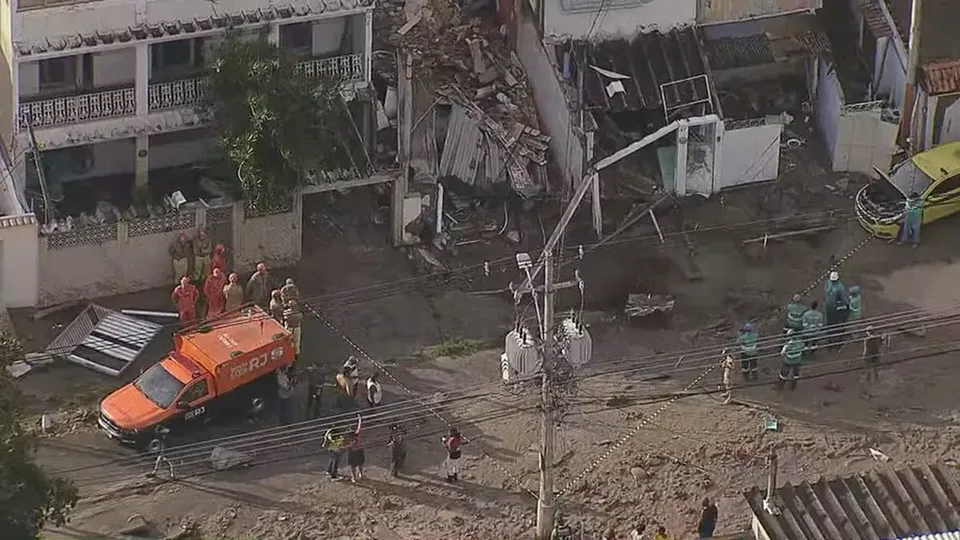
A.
pixel 795 310
pixel 791 355
pixel 748 351
pixel 854 305
pixel 812 326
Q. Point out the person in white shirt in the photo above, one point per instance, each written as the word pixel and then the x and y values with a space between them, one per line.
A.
pixel 374 391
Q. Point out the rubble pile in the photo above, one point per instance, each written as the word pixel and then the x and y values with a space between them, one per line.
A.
pixel 472 67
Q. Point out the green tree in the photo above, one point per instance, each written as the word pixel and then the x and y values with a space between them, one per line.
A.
pixel 29 498
pixel 274 122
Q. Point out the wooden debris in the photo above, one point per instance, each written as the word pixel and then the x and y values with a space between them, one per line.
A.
pixel 641 305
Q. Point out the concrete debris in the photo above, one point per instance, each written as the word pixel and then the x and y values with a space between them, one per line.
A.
pixel 19 369
pixel 878 455
pixel 641 305
pixel 222 459
pixel 493 136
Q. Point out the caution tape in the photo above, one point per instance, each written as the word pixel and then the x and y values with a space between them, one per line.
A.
pixel 643 423
pixel 403 387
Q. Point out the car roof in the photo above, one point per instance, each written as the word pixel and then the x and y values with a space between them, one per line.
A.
pixel 941 162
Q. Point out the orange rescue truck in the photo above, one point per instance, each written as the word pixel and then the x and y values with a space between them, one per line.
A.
pixel 225 364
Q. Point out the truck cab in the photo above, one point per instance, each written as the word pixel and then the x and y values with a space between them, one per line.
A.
pixel 221 365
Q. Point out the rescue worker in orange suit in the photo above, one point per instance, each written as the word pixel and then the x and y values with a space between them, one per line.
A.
pixel 219 258
pixel 232 293
pixel 258 288
pixel 201 256
pixel 180 253
pixel 185 297
pixel 213 289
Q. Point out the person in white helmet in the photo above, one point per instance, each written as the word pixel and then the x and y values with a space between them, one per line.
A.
pixel 835 306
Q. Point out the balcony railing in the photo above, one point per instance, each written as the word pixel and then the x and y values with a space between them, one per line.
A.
pixel 176 94
pixel 163 96
pixel 347 68
pixel 76 109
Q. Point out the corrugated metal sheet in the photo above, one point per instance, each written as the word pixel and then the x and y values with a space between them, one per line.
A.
pixel 719 11
pixel 875 19
pixel 103 340
pixel 741 51
pixel 938 536
pixel 876 505
pixel 941 77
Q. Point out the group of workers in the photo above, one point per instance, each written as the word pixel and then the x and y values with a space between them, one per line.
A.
pixel 807 329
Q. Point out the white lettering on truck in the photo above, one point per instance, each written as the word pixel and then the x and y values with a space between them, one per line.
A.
pixel 256 363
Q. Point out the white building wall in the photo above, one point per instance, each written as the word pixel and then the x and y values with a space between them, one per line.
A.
pixel 19 261
pixel 617 18
pixel 328 36
pixel 891 71
pixel 750 154
pixel 566 148
pixel 114 68
pixel 119 156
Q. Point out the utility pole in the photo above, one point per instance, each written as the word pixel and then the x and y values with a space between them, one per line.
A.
pixel 548 363
pixel 913 60
pixel 545 511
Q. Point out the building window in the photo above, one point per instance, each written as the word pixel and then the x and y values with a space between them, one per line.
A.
pixel 58 72
pixel 297 38
pixel 175 57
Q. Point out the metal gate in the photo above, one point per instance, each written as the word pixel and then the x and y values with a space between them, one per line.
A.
pixel 220 228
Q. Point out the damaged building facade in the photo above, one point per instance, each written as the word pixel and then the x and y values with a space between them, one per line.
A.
pixel 688 96
pixel 103 99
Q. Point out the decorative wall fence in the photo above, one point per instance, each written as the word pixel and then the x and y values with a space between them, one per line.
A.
pixel 131 256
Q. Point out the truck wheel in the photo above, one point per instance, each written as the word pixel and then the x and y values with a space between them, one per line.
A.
pixel 257 405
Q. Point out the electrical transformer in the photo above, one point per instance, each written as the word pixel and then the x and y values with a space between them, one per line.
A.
pixel 520 357
pixel 576 342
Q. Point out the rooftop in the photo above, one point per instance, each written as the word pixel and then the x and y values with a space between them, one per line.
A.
pixel 875 505
pixel 642 66
pixel 941 77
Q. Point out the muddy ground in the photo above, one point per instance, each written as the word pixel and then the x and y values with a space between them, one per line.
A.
pixel 379 297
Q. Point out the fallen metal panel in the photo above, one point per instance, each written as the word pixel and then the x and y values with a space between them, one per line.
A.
pixel 103 340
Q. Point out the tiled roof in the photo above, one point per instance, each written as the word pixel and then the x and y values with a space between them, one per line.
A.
pixel 936 536
pixel 815 43
pixel 187 27
pixel 876 21
pixel 648 61
pixel 874 505
pixel 942 77
pixel 734 52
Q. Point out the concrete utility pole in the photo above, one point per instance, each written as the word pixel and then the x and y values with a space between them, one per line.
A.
pixel 548 362
pixel 913 60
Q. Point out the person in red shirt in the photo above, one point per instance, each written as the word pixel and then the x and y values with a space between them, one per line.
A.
pixel 219 258
pixel 213 289
pixel 356 457
pixel 185 297
pixel 452 444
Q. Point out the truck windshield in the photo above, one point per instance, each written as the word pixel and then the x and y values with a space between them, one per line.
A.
pixel 159 386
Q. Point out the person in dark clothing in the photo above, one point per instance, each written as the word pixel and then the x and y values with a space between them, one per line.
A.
pixel 708 519
pixel 314 391
pixel 398 450
pixel 872 343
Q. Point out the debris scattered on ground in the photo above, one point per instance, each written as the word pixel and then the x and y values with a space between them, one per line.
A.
pixel 222 458
pixel 137 525
pixel 641 305
pixel 878 455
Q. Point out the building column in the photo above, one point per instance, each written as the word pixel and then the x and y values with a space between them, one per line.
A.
pixel 143 160
pixel 14 127
pixel 680 173
pixel 719 131
pixel 273 33
pixel 368 46
pixel 143 78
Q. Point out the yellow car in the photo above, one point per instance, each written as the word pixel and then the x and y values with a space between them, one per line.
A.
pixel 934 175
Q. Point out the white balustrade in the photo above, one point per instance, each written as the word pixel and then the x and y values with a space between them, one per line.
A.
pixel 163 96
pixel 79 108
pixel 346 68
pixel 176 94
